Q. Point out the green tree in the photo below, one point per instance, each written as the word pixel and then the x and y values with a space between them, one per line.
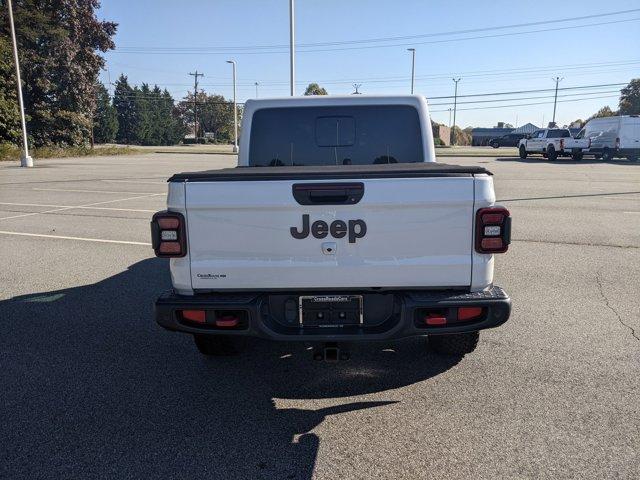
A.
pixel 215 115
pixel 105 117
pixel 315 89
pixel 125 105
pixel 603 112
pixel 9 113
pixel 59 43
pixel 630 98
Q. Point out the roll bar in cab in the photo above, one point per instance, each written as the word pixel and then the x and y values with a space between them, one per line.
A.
pixel 337 226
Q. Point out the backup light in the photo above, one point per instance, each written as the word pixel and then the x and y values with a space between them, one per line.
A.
pixel 172 235
pixel 490 231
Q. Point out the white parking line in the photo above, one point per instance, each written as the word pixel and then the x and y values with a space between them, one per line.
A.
pixel 94 191
pixel 80 206
pixel 632 212
pixel 82 239
pixel 73 206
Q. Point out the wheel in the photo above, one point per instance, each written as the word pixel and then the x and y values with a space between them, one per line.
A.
pixel 218 345
pixel 607 155
pixel 454 344
pixel 577 156
pixel 495 145
pixel 523 152
pixel 632 157
pixel 551 153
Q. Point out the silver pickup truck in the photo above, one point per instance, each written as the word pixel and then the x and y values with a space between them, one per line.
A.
pixel 336 226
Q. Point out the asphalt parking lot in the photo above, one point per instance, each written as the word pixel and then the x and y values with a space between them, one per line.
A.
pixel 92 388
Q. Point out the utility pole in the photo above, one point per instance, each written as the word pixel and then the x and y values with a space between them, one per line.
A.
pixel 455 105
pixel 195 102
pixel 25 159
pixel 256 84
pixel 235 108
pixel 413 67
pixel 292 47
pixel 555 100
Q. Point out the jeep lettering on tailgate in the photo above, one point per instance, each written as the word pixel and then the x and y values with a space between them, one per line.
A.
pixel 338 229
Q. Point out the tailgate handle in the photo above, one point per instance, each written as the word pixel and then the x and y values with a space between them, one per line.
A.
pixel 328 193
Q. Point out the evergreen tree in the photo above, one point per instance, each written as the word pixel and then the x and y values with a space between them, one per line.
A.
pixel 125 105
pixel 105 118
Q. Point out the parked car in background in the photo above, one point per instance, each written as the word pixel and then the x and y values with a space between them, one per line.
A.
pixel 614 137
pixel 577 145
pixel 508 140
pixel 549 142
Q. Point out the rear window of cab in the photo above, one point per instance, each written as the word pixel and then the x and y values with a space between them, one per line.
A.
pixel 339 135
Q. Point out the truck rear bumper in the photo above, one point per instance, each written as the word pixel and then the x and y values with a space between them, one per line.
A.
pixel 386 315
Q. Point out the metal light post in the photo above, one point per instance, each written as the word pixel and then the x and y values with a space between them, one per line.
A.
pixel 25 159
pixel 235 108
pixel 413 67
pixel 555 99
pixel 455 104
pixel 292 48
pixel 256 84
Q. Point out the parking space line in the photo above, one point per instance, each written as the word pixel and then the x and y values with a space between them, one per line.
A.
pixel 82 239
pixel 81 206
pixel 73 206
pixel 94 191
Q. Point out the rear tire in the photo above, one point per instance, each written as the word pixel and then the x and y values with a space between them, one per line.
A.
pixel 632 157
pixel 218 345
pixel 495 145
pixel 551 153
pixel 454 344
pixel 523 152
pixel 607 155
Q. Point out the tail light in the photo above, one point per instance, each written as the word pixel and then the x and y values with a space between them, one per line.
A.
pixel 168 234
pixel 493 230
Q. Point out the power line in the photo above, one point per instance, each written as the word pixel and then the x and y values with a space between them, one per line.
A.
pixel 147 51
pixel 388 39
pixel 527 104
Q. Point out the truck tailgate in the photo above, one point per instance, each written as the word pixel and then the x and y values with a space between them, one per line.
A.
pixel 418 234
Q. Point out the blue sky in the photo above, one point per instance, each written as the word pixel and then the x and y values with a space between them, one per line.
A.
pixel 162 41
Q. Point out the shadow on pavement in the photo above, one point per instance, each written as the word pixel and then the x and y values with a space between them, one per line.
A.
pixel 91 387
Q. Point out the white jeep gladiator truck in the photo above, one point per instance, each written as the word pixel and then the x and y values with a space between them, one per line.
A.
pixel 337 225
pixel 550 142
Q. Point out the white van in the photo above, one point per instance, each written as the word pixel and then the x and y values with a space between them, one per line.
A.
pixel 614 137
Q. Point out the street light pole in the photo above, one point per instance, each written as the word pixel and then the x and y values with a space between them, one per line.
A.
pixel 413 67
pixel 292 47
pixel 455 104
pixel 25 159
pixel 257 89
pixel 235 108
pixel 555 100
